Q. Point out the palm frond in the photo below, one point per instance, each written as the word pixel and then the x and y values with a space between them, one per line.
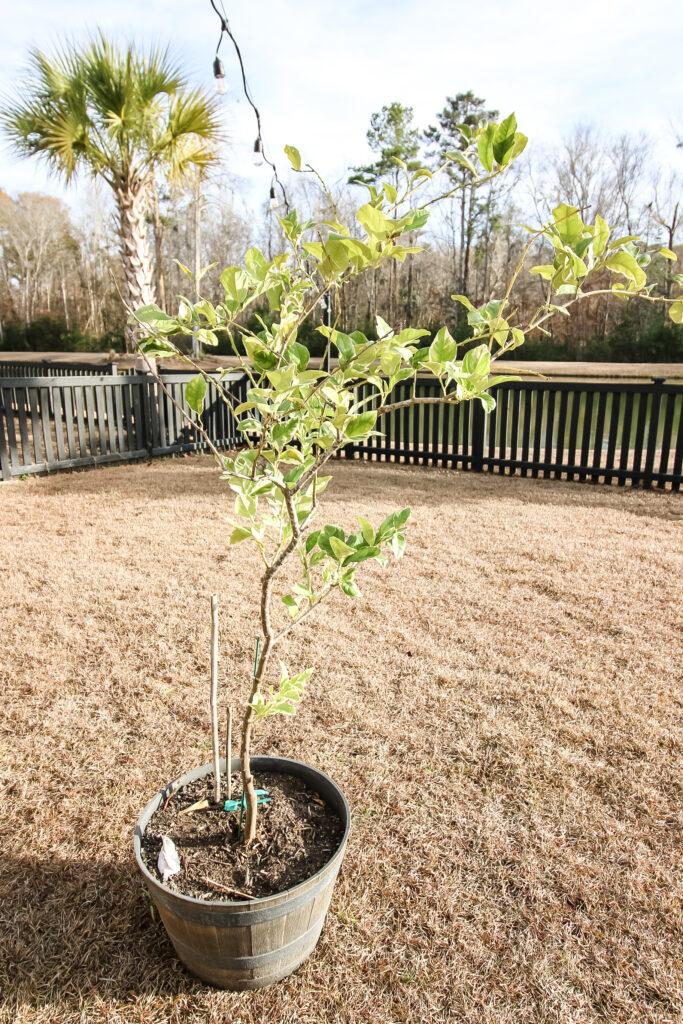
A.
pixel 115 111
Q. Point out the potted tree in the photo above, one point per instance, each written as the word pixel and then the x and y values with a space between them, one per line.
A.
pixel 295 419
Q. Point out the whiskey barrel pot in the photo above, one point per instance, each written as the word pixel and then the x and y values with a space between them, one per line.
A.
pixel 248 944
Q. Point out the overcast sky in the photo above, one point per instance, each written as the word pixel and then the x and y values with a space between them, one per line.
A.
pixel 317 70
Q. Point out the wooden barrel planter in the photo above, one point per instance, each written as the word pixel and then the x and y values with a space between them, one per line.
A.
pixel 249 944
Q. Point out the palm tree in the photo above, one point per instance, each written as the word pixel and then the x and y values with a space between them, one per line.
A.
pixel 118 114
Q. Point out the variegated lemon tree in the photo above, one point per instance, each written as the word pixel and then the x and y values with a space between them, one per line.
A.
pixel 297 417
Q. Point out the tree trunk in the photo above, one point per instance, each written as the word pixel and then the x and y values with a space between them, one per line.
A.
pixel 65 301
pixel 138 289
pixel 158 254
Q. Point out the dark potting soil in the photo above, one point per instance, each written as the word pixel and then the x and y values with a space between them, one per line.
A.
pixel 297 833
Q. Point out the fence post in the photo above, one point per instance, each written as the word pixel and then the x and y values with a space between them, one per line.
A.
pixel 652 432
pixel 478 424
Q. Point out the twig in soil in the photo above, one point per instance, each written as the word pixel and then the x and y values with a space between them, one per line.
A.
pixel 214 700
pixel 224 888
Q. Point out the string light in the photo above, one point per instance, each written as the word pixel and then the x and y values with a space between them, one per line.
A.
pixel 259 151
pixel 273 198
pixel 219 75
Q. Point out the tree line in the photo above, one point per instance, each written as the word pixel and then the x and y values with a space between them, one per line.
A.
pixel 170 200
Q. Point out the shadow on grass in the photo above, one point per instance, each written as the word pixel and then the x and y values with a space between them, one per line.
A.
pixel 73 930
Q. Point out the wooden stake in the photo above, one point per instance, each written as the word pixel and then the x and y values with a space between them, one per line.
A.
pixel 214 699
pixel 200 805
pixel 228 755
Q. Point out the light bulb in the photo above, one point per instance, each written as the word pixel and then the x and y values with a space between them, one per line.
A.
pixel 219 75
pixel 258 153
pixel 273 198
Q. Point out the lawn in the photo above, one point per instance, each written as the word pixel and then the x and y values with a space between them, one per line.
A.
pixel 502 708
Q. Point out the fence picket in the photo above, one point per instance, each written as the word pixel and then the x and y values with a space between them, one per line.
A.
pixel 586 434
pixel 549 432
pixel 643 401
pixel 101 419
pixel 59 424
pixel 667 432
pixel 626 439
pixel 561 428
pixel 35 426
pixel 599 436
pixel 526 432
pixel 46 421
pixel 90 419
pixel 538 425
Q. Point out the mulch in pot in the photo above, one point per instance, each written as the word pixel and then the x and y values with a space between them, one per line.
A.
pixel 297 834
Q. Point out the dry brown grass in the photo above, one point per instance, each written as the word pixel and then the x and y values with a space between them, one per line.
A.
pixel 502 708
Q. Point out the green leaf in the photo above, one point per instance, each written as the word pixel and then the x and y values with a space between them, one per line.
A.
pixel 257 264
pixel 668 254
pixel 311 541
pixel 519 146
pixel 152 315
pixel 415 220
pixel 459 158
pixel 362 554
pixel 504 140
pixel 155 348
pixel 626 265
pixel 398 544
pixel 359 426
pixel 234 281
pixel 261 357
pixel 185 270
pixel 485 147
pixel 488 401
pixel 443 349
pixel 568 223
pixel 375 223
pixel 401 517
pixel 294 157
pixel 299 355
pixel 345 345
pixel 240 533
pixel 477 361
pixel 205 337
pixel 195 392
pixel 600 237
pixel 676 311
pixel 367 530
pixel 340 548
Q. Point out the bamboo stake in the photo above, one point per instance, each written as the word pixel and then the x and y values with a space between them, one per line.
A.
pixel 228 755
pixel 214 699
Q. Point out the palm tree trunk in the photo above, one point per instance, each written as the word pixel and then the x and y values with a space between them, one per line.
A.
pixel 158 249
pixel 137 265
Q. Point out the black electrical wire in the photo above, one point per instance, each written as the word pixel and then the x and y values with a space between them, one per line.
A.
pixel 258 146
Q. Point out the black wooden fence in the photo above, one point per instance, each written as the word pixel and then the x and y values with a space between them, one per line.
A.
pixel 574 430
pixel 49 423
pixel 602 432
pixel 47 368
